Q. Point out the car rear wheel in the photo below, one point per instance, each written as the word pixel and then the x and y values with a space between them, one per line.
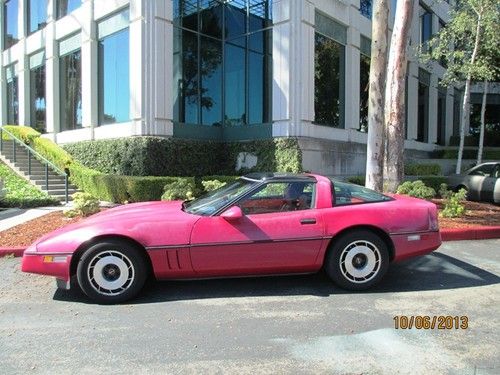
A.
pixel 111 272
pixel 357 260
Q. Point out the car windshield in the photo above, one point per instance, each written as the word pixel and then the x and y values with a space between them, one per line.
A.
pixel 213 201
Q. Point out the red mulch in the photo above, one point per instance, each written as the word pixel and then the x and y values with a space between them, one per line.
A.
pixel 478 214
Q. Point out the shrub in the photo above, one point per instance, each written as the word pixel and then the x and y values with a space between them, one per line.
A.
pixel 24 133
pixel 84 205
pixel 211 185
pixel 416 189
pixel 444 192
pixel 423 169
pixel 433 181
pixel 180 188
pixel 454 204
pixel 20 193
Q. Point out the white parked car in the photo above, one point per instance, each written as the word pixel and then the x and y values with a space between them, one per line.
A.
pixel 481 182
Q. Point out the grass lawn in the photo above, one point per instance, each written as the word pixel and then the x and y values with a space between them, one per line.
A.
pixel 20 193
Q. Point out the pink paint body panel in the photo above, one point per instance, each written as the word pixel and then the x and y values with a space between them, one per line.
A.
pixel 182 245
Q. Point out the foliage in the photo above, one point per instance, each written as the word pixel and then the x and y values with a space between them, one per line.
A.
pixel 423 169
pixel 84 205
pixel 467 154
pixel 444 192
pixel 416 189
pixel 24 133
pixel 459 33
pixel 433 182
pixel 454 204
pixel 210 185
pixel 180 188
pixel 20 193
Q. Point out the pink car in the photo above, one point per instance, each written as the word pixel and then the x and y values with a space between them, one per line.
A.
pixel 262 224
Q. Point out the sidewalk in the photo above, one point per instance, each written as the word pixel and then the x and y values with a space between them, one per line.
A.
pixel 15 216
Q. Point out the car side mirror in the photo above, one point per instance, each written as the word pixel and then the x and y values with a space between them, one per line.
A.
pixel 232 214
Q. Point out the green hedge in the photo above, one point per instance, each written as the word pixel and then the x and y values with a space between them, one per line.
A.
pixel 467 154
pixel 155 156
pixel 423 169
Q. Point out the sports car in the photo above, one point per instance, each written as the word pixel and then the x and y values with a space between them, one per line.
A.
pixel 262 224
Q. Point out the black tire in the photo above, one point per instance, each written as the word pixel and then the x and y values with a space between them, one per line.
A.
pixel 112 271
pixel 357 260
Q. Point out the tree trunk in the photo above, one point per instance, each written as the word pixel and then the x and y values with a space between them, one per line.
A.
pixel 378 67
pixel 465 105
pixel 481 134
pixel 395 95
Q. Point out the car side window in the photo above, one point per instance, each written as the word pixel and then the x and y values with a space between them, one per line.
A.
pixel 485 170
pixel 344 194
pixel 496 173
pixel 279 197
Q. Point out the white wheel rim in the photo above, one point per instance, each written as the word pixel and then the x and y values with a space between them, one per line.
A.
pixel 110 273
pixel 360 261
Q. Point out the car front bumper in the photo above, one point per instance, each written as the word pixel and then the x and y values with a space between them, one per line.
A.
pixel 50 264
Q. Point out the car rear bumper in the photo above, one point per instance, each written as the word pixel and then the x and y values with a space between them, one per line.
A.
pixel 414 244
pixel 57 265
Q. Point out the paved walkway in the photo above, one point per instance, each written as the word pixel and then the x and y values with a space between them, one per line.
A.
pixel 15 216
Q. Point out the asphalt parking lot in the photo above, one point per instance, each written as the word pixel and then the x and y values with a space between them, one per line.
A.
pixel 293 324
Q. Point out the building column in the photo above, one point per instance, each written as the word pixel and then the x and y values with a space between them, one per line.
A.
pixel 352 67
pixel 23 68
pixel 412 101
pixel 138 52
pixel 52 81
pixel 158 52
pixel 433 109
pixel 293 67
pixel 3 92
pixel 89 67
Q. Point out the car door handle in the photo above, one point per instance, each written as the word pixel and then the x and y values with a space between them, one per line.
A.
pixel 307 221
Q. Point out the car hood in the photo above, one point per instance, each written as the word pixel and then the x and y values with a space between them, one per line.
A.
pixel 150 224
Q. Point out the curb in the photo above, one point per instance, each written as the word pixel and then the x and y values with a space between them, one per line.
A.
pixel 16 251
pixel 473 233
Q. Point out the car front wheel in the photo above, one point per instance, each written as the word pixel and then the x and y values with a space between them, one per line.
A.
pixel 357 260
pixel 111 272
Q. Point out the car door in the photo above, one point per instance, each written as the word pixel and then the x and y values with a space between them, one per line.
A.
pixel 476 182
pixel 276 234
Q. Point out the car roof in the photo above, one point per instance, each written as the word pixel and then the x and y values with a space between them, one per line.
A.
pixel 276 176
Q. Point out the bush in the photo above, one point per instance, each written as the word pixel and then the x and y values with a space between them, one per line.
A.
pixel 180 188
pixel 20 193
pixel 467 154
pixel 211 185
pixel 416 189
pixel 444 192
pixel 24 133
pixel 433 181
pixel 84 205
pixel 423 169
pixel 454 204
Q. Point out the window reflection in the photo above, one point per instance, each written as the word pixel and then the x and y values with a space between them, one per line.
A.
pixel 364 85
pixel 37 98
pixel 70 69
pixel 37 15
pixel 221 71
pixel 10 30
pixel 65 7
pixel 114 90
pixel 12 96
pixel 329 80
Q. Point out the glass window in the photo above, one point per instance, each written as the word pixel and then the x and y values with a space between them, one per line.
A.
pixel 425 25
pixel 114 88
pixel 441 128
pixel 11 34
pixel 37 92
pixel 365 8
pixel 423 112
pixel 279 197
pixel 70 70
pixel 364 85
pixel 221 70
pixel 329 82
pixel 457 107
pixel 12 95
pixel 37 15
pixel 344 193
pixel 65 7
pixel 485 170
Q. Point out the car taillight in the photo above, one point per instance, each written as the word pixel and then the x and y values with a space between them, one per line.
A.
pixel 433 219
